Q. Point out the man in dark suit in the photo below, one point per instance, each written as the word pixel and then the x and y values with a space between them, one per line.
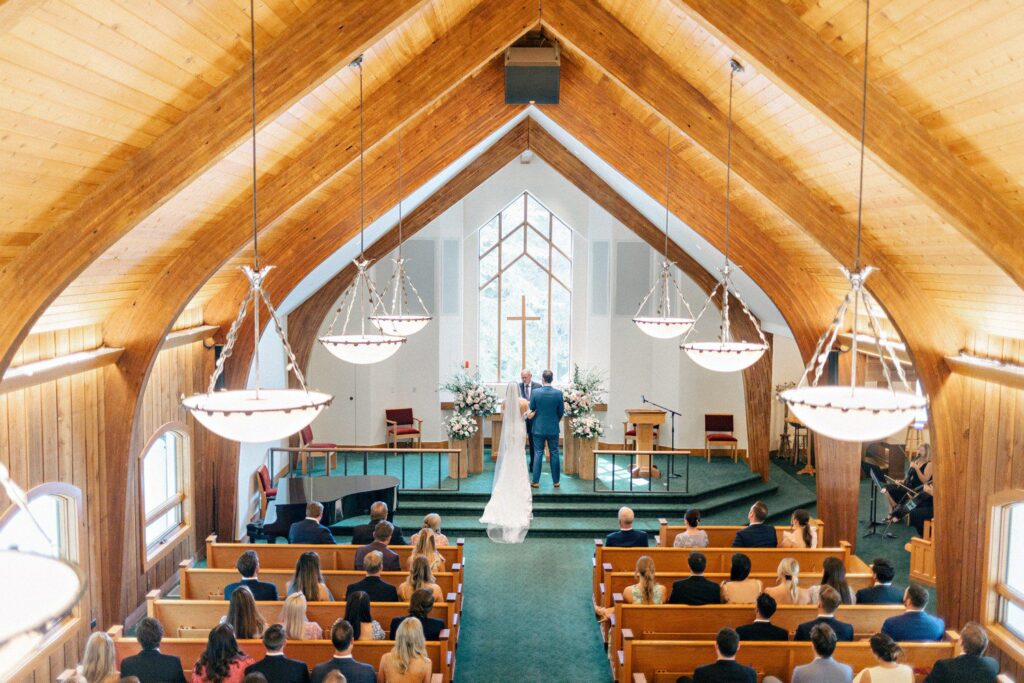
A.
pixel 526 388
pixel 970 667
pixel 726 669
pixel 310 530
pixel 763 628
pixel 915 624
pixel 248 564
pixel 381 535
pixel 547 406
pixel 695 589
pixel 275 666
pixel 757 534
pixel 626 536
pixel 150 666
pixel 354 672
pixel 363 533
pixel 828 603
pixel 374 586
pixel 883 592
pixel 420 604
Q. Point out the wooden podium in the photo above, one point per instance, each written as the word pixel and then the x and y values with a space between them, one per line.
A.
pixel 645 419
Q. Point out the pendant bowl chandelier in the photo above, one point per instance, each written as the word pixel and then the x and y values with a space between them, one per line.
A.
pixel 855 413
pixel 726 355
pixel 256 415
pixel 363 348
pixel 401 320
pixel 663 324
pixel 35 590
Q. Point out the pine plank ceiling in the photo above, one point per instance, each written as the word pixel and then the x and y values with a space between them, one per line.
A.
pixel 90 87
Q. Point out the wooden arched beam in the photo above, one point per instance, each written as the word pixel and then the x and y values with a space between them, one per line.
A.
pixel 784 48
pixel 325 38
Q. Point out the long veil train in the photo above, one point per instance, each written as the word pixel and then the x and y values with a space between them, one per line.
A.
pixel 510 509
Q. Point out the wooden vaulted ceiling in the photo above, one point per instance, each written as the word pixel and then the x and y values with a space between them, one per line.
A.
pixel 125 196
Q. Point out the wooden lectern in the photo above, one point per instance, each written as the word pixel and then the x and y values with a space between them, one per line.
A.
pixel 645 419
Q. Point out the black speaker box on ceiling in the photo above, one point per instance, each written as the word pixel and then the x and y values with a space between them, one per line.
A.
pixel 532 75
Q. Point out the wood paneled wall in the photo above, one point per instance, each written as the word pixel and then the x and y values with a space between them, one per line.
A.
pixel 54 432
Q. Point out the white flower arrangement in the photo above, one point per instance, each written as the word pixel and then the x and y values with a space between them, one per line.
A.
pixel 470 396
pixel 587 427
pixel 577 402
pixel 460 427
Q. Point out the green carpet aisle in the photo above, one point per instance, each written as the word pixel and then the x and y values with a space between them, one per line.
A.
pixel 528 614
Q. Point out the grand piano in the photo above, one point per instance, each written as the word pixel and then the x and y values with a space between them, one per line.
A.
pixel 342 497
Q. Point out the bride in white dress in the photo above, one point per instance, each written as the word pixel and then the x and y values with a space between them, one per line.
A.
pixel 510 509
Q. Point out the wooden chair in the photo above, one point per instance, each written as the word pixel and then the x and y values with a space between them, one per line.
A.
pixel 629 434
pixel 317 449
pixel 718 431
pixel 402 425
pixel 267 491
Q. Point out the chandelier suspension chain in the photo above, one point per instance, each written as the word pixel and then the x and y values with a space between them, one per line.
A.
pixel 358 63
pixel 255 214
pixel 863 131
pixel 400 193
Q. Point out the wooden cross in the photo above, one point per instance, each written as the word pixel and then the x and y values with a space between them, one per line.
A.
pixel 523 318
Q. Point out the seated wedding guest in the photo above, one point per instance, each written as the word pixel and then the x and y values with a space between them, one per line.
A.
pixel 431 523
pixel 377 588
pixel 626 536
pixel 833 573
pixel 256 677
pixel 335 677
pixel 248 565
pixel 343 661
pixel 691 536
pixel 725 669
pixel 360 618
pixel 828 603
pixel 407 662
pixel 275 666
pixel 243 617
pixel 971 666
pixel 888 669
pixel 695 589
pixel 426 546
pixel 150 665
pixel 803 534
pixel 420 604
pixel 823 669
pixel 788 591
pixel 882 592
pixel 419 577
pixel 740 588
pixel 756 534
pixel 99 662
pixel 308 579
pixel 363 533
pixel 221 661
pixel 763 628
pixel 310 530
pixel 914 624
pixel 293 617
pixel 381 535
pixel 645 591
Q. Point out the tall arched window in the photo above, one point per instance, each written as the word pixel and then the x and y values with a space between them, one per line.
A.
pixel 525 292
pixel 165 475
pixel 1003 608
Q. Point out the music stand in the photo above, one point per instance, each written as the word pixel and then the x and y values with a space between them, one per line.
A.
pixel 873 522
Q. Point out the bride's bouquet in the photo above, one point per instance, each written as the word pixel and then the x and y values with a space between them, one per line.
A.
pixel 460 427
pixel 470 396
pixel 587 427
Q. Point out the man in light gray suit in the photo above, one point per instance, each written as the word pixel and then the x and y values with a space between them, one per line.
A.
pixel 823 669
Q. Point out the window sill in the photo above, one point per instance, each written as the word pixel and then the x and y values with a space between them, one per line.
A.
pixel 1006 641
pixel 166 546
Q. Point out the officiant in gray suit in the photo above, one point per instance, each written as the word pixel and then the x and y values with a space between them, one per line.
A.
pixel 526 388
pixel 547 405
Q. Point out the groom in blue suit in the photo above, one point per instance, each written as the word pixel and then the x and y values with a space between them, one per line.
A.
pixel 547 405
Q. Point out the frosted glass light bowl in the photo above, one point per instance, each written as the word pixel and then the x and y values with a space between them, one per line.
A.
pixel 663 328
pixel 362 349
pixel 400 325
pixel 860 414
pixel 724 356
pixel 240 416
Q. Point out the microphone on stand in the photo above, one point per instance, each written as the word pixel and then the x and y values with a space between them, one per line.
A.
pixel 643 399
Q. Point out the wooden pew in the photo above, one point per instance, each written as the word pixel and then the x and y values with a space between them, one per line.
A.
pixel 763 560
pixel 616 582
pixel 201 583
pixel 312 652
pixel 922 557
pixel 660 661
pixel 718 536
pixel 284 555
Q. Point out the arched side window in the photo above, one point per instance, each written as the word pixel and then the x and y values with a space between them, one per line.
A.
pixel 166 474
pixel 1004 575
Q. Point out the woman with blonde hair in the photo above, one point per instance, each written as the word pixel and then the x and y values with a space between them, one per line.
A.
pixel 293 618
pixel 243 616
pixel 432 524
pixel 645 591
pixel 420 576
pixel 407 662
pixel 788 591
pixel 308 580
pixel 99 664
pixel 426 547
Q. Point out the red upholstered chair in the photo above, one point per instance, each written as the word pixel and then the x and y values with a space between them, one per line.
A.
pixel 317 449
pixel 718 431
pixel 267 492
pixel 402 425
pixel 629 434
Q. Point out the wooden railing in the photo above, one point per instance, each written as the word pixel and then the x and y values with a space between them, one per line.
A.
pixel 922 557
pixel 355 460
pixel 718 536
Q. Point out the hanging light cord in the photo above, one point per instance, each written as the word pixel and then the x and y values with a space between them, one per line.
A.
pixel 257 280
pixel 863 132
pixel 400 194
pixel 668 186
pixel 728 158
pixel 358 64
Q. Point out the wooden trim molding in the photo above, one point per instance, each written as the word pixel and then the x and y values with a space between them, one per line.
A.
pixel 188 336
pixel 987 370
pixel 38 372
